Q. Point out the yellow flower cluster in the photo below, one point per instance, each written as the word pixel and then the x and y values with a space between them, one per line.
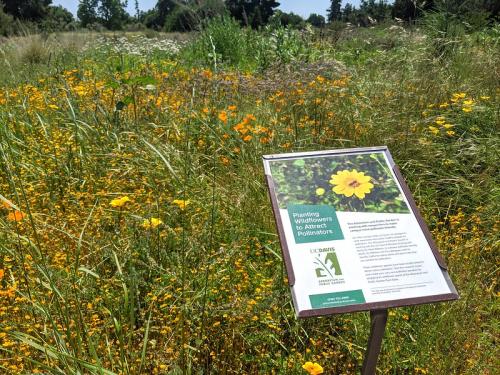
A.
pixel 119 202
pixel 441 124
pixel 181 203
pixel 151 223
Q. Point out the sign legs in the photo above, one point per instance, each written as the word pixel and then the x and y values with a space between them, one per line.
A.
pixel 378 319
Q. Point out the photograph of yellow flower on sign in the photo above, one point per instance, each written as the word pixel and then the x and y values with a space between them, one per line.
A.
pixel 353 183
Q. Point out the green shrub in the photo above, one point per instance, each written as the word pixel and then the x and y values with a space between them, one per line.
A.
pixel 181 19
pixel 6 22
pixel 444 31
pixel 222 40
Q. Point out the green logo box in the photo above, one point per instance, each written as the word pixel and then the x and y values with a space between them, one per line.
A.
pixel 350 297
pixel 314 223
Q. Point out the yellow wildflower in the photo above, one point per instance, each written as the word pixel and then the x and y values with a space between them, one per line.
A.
pixel 223 116
pixel 434 130
pixel 351 183
pixel 119 202
pixel 312 368
pixel 181 203
pixel 320 191
pixel 151 223
pixel 467 109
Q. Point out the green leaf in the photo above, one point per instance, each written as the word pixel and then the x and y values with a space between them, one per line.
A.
pixel 299 163
pixel 128 100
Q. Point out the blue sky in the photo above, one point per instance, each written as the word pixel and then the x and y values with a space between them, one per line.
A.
pixel 301 7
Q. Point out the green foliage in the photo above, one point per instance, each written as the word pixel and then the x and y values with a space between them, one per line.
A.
pixel 27 10
pixel 87 12
pixel 109 13
pixel 112 14
pixel 6 22
pixel 445 31
pixel 316 20
pixel 334 13
pixel 286 19
pixel 164 8
pixel 190 16
pixel 348 13
pixel 254 13
pixel 181 19
pixel 58 19
pixel 375 10
pixel 222 41
pixel 410 10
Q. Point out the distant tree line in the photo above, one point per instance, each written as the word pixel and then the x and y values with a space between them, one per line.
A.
pixel 16 15
pixel 186 15
pixel 372 11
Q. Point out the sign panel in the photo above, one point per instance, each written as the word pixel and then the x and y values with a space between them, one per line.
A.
pixel 351 235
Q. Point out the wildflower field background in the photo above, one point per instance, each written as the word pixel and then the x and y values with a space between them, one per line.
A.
pixel 136 235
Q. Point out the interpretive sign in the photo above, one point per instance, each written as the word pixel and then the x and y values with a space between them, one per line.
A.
pixel 351 235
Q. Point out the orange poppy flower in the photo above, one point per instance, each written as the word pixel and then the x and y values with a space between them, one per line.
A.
pixel 16 216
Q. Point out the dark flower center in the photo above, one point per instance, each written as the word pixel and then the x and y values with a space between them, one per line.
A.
pixel 354 183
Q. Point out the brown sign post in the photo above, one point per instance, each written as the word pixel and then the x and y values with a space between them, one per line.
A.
pixel 352 237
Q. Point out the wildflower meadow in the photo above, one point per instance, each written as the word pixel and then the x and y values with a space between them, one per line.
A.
pixel 136 233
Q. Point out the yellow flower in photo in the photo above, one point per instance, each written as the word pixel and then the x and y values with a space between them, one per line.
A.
pixel 320 191
pixel 467 109
pixel 181 203
pixel 119 202
pixel 152 223
pixel 312 368
pixel 351 183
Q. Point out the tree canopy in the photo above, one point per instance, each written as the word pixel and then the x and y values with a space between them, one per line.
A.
pixel 252 13
pixel 29 10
